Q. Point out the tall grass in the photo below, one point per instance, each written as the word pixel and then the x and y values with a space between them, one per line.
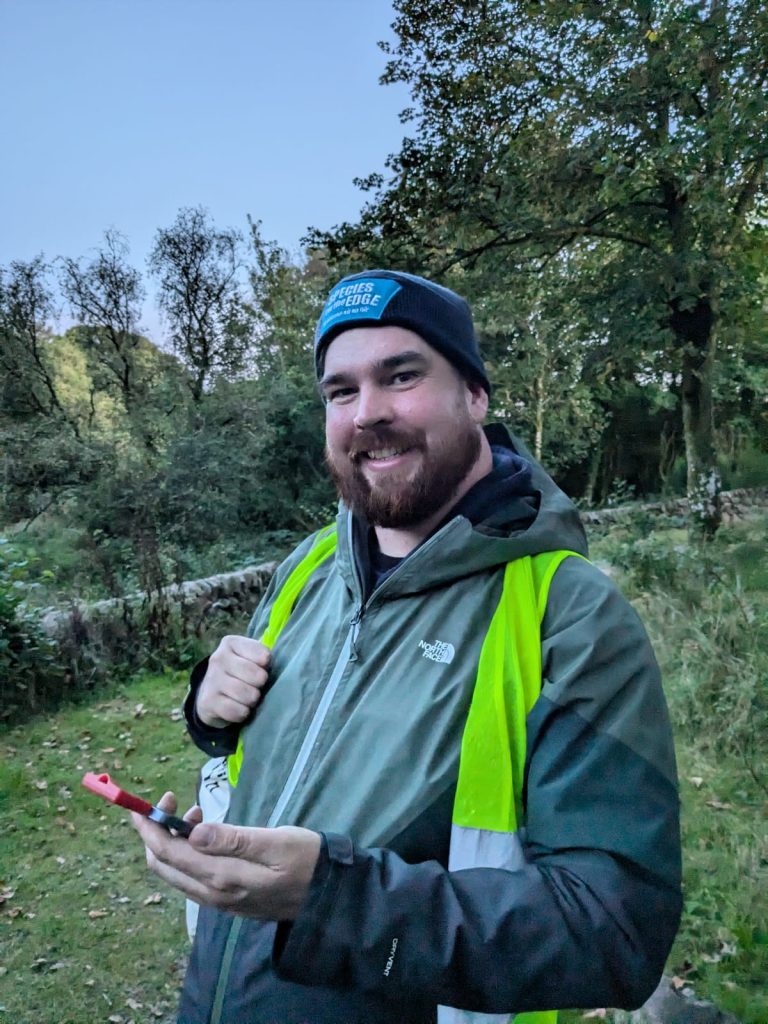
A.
pixel 706 609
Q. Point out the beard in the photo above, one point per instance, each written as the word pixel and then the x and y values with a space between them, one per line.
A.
pixel 398 502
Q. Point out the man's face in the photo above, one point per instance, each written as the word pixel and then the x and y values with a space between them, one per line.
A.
pixel 402 427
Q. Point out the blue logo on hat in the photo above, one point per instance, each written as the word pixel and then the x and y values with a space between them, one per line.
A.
pixel 363 299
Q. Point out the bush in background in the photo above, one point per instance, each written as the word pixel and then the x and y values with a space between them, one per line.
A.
pixel 30 670
pixel 706 607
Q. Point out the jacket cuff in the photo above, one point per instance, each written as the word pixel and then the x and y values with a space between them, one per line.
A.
pixel 292 938
pixel 212 741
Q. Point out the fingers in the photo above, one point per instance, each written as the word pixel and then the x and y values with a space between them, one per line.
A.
pixel 255 872
pixel 242 650
pixel 248 649
pixel 167 803
pixel 249 844
pixel 237 672
pixel 194 815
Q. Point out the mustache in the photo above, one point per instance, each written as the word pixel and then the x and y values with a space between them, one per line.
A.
pixel 382 437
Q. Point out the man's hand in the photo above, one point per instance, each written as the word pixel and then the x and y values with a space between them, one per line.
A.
pixel 254 872
pixel 237 672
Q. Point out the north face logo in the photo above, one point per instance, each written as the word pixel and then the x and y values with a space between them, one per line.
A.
pixel 438 651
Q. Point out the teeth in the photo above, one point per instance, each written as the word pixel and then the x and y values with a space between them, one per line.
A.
pixel 384 453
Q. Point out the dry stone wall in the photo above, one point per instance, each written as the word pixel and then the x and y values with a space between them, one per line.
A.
pixel 105 630
pixel 106 627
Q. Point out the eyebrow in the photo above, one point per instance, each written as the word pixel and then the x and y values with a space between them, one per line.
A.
pixel 381 365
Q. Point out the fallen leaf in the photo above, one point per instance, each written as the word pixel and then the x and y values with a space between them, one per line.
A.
pixel 133 1005
pixel 116 1018
pixel 6 894
pixel 108 750
pixel 156 897
pixel 89 982
pixel 696 780
pixel 61 860
pixel 41 784
pixel 93 914
pixel 719 805
pixel 39 964
pixel 14 912
pixel 139 711
pixel 176 715
pixel 600 1014
pixel 58 966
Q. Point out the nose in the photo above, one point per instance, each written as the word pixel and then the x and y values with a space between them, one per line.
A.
pixel 373 407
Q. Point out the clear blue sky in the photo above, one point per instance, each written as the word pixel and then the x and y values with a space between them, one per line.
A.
pixel 118 112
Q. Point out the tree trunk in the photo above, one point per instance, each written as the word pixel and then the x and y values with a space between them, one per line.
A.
pixel 540 401
pixel 695 332
pixel 595 461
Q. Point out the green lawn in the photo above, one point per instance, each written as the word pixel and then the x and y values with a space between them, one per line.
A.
pixel 86 933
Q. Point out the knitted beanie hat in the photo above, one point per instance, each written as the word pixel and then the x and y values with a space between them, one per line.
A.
pixel 379 298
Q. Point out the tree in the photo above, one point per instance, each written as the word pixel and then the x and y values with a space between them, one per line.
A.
pixel 633 136
pixel 289 299
pixel 198 268
pixel 26 308
pixel 106 296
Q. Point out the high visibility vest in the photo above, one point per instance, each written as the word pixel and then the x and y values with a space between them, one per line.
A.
pixel 487 809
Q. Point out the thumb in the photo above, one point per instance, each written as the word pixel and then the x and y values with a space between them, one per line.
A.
pixel 226 840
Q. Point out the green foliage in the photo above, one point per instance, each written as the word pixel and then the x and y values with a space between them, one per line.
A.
pixel 706 609
pixel 711 632
pixel 612 149
pixel 198 269
pixel 30 673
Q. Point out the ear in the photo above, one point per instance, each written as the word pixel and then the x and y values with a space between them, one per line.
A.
pixel 477 401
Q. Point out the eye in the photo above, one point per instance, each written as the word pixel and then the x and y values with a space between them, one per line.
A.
pixel 405 376
pixel 337 396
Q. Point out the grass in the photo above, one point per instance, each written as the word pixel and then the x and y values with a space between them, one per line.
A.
pixel 707 613
pixel 86 933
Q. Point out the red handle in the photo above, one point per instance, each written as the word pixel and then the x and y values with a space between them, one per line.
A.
pixel 102 785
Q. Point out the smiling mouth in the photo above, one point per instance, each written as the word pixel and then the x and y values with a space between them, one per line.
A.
pixel 379 454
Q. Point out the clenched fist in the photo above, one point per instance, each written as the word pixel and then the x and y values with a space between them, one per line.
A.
pixel 237 672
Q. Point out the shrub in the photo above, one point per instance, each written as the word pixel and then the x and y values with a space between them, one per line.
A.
pixel 706 608
pixel 30 673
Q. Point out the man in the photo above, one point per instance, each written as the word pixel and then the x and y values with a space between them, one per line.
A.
pixel 454 787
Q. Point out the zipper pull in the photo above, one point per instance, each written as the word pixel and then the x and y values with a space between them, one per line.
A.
pixel 354 623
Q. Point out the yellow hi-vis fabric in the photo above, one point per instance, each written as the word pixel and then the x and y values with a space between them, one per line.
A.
pixel 282 606
pixel 488 802
pixel 487 809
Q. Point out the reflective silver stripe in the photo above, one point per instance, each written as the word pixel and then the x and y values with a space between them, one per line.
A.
pixel 450 1015
pixel 312 732
pixel 481 848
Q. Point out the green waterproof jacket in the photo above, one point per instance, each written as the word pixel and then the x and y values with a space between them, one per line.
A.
pixel 358 737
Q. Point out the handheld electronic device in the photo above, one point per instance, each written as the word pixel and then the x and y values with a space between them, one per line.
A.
pixel 103 785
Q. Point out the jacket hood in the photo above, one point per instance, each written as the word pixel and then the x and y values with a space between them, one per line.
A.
pixel 526 520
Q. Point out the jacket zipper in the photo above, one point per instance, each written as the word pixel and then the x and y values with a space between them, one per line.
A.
pixel 347 653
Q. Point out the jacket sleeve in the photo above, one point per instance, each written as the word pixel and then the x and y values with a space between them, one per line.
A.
pixel 589 918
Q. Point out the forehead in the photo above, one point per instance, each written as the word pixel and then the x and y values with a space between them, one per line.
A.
pixel 360 348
